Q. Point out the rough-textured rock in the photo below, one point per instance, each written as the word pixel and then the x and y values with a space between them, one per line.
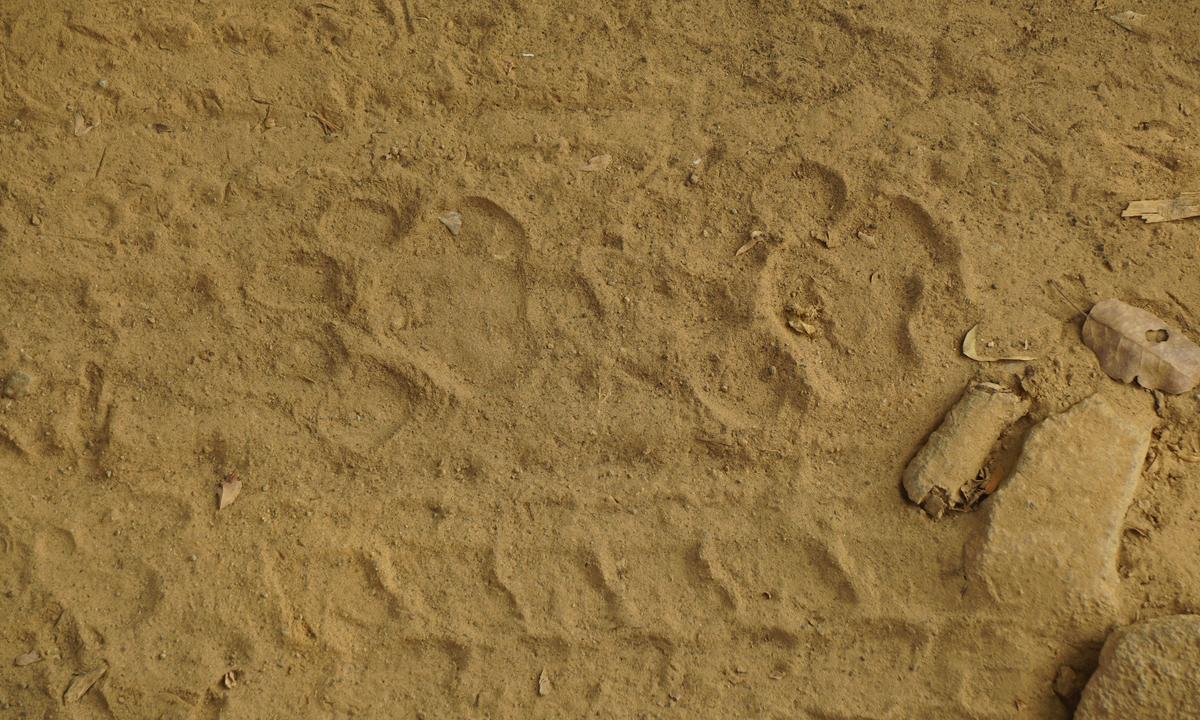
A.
pixel 949 461
pixel 1148 671
pixel 1054 529
pixel 17 384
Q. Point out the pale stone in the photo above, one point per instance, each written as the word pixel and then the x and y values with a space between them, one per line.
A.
pixel 1054 528
pixel 951 458
pixel 1148 671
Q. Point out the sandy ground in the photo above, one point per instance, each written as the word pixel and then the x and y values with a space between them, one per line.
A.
pixel 580 459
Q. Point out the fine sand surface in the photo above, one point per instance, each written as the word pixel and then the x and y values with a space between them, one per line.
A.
pixel 582 458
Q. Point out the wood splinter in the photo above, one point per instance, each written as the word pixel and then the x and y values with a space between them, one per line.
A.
pixel 1154 211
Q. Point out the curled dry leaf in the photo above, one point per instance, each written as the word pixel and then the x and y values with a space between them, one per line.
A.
pixel 28 658
pixel 452 219
pixel 1129 20
pixel 81 683
pixel 82 126
pixel 1133 344
pixel 971 348
pixel 543 685
pixel 756 237
pixel 596 164
pixel 801 327
pixel 230 489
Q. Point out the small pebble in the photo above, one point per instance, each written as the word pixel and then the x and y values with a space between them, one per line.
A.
pixel 17 384
pixel 103 84
pixel 35 220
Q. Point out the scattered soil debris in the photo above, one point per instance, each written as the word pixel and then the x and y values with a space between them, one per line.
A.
pixel 802 320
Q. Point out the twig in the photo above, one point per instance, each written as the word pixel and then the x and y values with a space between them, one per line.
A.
pixel 99 165
pixel 716 443
pixel 1032 125
pixel 327 126
pixel 1056 286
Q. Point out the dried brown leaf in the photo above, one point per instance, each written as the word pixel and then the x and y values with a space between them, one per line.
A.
pixel 971 348
pixel 81 683
pixel 1133 344
pixel 230 489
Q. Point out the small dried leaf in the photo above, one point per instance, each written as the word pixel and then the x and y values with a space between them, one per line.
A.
pixel 80 684
pixel 230 680
pixel 1130 20
pixel 230 489
pixel 28 658
pixel 970 348
pixel 803 328
pixel 596 164
pixel 543 685
pixel 82 126
pixel 756 237
pixel 1155 211
pixel 1133 344
pixel 452 219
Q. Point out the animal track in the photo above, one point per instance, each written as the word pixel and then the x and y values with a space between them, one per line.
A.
pixel 308 281
pixel 96 414
pixel 336 607
pixel 366 402
pixel 889 251
pixel 363 224
pixel 464 297
pixel 801 198
pixel 77 575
